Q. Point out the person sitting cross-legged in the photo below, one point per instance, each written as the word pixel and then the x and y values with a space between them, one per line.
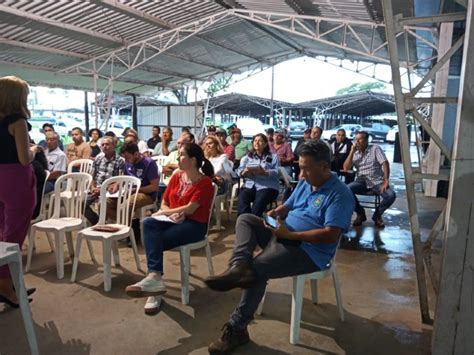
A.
pixel 187 201
pixel 373 172
pixel 310 223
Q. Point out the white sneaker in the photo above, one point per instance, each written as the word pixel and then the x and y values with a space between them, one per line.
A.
pixel 145 288
pixel 153 305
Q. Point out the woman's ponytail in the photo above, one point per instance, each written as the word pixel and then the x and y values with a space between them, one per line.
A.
pixel 207 168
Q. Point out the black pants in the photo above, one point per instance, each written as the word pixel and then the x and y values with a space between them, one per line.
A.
pixel 260 200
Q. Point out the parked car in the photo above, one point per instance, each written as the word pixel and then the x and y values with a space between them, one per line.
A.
pixel 390 137
pixel 296 129
pixel 351 130
pixel 376 131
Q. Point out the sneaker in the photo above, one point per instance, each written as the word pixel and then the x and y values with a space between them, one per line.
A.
pixel 361 218
pixel 229 340
pixel 153 305
pixel 378 221
pixel 145 288
pixel 241 274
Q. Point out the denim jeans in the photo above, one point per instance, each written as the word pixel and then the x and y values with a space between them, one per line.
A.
pixel 260 200
pixel 388 197
pixel 161 236
pixel 276 260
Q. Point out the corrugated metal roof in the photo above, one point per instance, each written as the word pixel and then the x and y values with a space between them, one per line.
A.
pixel 46 37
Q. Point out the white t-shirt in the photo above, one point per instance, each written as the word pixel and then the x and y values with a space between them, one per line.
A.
pixel 57 160
pixel 222 166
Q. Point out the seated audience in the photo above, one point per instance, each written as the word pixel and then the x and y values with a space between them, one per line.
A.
pixel 167 144
pixel 173 159
pixel 95 134
pixel 340 149
pixel 373 173
pixel 118 142
pixel 48 127
pixel 214 152
pixel 57 160
pixel 316 133
pixel 142 167
pixel 106 165
pixel 142 146
pixel 270 132
pixel 228 148
pixel 187 201
pixel 309 225
pixel 79 149
pixel 259 169
pixel 241 146
pixel 155 137
pixel 306 136
pixel 283 152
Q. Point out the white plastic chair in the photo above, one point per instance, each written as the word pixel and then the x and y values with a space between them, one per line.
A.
pixel 82 165
pixel 10 255
pixel 77 185
pixel 141 214
pixel 160 160
pixel 185 257
pixel 42 213
pixel 298 293
pixel 125 207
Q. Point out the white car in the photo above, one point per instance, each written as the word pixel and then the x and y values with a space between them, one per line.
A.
pixel 351 130
pixel 390 138
pixel 250 126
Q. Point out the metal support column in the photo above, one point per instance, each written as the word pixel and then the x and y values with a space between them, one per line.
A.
pixel 405 150
pixel 134 112
pixel 86 113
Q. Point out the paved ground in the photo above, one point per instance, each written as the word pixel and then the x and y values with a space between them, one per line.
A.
pixel 378 284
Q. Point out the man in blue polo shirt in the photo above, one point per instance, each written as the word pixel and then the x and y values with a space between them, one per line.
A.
pixel 310 223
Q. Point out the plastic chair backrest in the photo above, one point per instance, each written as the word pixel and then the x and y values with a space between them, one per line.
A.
pixel 83 166
pixel 160 160
pixel 285 176
pixel 77 186
pixel 126 198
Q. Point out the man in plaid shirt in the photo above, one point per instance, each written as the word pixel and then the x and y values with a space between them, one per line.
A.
pixel 373 172
pixel 106 164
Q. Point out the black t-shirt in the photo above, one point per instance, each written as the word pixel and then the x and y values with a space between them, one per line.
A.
pixel 8 152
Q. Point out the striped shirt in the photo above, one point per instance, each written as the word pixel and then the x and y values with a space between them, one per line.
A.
pixel 369 165
pixel 104 169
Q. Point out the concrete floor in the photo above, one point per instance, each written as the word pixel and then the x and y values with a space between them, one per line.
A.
pixel 378 281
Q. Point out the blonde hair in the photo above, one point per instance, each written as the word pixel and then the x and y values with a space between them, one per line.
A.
pixel 13 97
pixel 217 144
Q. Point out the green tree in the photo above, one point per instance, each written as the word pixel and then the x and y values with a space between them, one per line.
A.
pixel 358 87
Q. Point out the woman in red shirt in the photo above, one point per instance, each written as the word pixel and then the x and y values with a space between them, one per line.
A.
pixel 187 202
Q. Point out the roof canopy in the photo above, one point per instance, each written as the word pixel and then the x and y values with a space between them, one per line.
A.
pixel 141 46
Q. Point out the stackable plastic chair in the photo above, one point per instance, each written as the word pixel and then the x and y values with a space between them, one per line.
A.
pixel 185 256
pixel 122 222
pixel 298 293
pixel 10 255
pixel 77 185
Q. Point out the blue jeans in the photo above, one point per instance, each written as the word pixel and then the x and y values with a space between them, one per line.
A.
pixel 260 199
pixel 388 197
pixel 161 236
pixel 276 260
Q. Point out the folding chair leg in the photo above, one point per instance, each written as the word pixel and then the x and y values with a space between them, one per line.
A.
pixel 106 251
pixel 50 241
pixel 296 305
pixel 91 251
pixel 337 288
pixel 59 240
pixel 115 253
pixel 210 266
pixel 17 279
pixel 31 245
pixel 69 243
pixel 314 290
pixel 185 257
pixel 260 305
pixel 77 254
pixel 135 250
